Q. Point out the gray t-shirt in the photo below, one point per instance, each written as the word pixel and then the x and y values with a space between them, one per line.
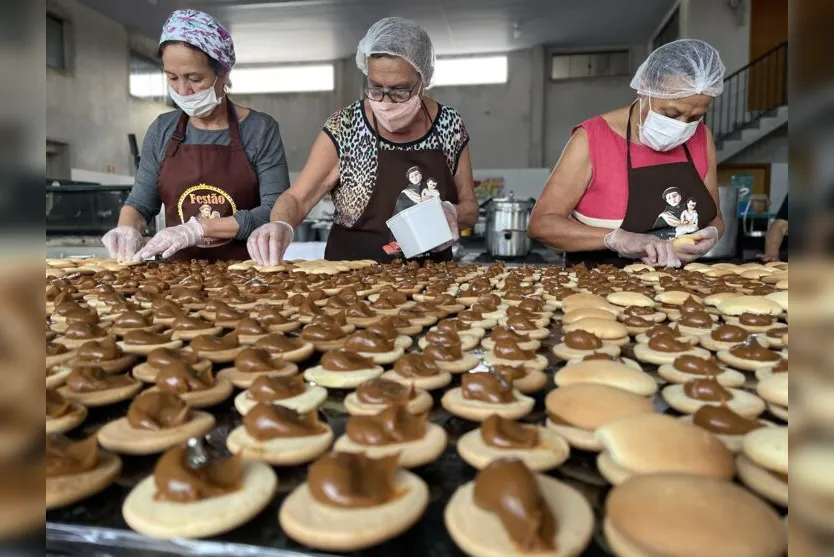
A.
pixel 261 141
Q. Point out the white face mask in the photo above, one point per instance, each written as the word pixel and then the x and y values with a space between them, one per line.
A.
pixel 661 133
pixel 199 104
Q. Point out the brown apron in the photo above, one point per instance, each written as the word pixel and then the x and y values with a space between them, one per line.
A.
pixel 207 181
pixel 370 233
pixel 659 201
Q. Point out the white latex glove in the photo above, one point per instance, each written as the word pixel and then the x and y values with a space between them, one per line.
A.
pixel 268 242
pixel 122 242
pixel 649 248
pixel 171 240
pixel 452 219
pixel 706 239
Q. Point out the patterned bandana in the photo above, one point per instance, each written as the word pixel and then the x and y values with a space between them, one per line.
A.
pixel 202 31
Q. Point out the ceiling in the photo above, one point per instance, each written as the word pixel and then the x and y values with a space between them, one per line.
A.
pixel 307 30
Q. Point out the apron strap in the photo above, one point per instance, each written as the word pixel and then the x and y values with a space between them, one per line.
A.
pixel 178 137
pixel 179 133
pixel 234 125
pixel 628 141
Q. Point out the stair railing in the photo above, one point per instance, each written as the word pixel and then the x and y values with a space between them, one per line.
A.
pixel 751 93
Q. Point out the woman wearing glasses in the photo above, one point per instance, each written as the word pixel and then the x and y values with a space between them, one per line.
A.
pixel 366 150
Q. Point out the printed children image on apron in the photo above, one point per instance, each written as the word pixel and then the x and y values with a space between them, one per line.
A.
pixel 206 202
pixel 416 191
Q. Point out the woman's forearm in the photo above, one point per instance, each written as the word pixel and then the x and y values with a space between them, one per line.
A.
pixel 288 209
pixel 567 234
pixel 224 228
pixel 129 216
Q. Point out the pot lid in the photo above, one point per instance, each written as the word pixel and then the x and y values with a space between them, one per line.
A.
pixel 510 202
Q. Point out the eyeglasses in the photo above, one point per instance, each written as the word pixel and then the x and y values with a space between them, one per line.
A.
pixel 397 94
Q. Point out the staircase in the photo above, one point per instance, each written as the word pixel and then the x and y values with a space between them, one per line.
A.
pixel 753 105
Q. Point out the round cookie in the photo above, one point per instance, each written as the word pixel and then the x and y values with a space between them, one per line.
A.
pixel 330 528
pixel 539 362
pixel 243 379
pixel 311 399
pixel 645 353
pixel 204 518
pixel 551 451
pixel 609 373
pixel 565 352
pixel 727 378
pixel 743 403
pixel 341 379
pixel 62 491
pixel 120 437
pixel 421 403
pixel 68 421
pixel 478 411
pixel 429 383
pixel 282 451
pixel 102 397
pixel 480 533
pixel 412 453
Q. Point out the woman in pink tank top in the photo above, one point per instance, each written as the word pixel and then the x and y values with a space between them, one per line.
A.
pixel 640 181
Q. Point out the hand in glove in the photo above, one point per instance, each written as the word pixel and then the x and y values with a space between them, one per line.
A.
pixel 452 219
pixel 649 248
pixel 122 242
pixel 171 240
pixel 268 242
pixel 705 240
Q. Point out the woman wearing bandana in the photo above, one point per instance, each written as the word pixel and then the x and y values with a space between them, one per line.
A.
pixel 622 179
pixel 217 167
pixel 366 148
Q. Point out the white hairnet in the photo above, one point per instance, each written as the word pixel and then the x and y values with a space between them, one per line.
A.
pixel 398 37
pixel 680 69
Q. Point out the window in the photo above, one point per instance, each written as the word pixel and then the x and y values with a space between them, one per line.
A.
pixel 56 54
pixel 283 79
pixel 147 81
pixel 470 70
pixel 579 65
pixel 670 32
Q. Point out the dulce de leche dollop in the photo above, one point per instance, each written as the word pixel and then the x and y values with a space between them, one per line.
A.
pixel 267 389
pixel 506 333
pixel 256 360
pixel 323 331
pixel 265 421
pixel 342 360
pixel 353 480
pixel 687 363
pixel 395 424
pixel 667 343
pixel 506 434
pixel 180 378
pixel 368 342
pixel 509 349
pixel 92 379
pixel 707 389
pixel 450 353
pixel 582 340
pixel 730 333
pixel 207 343
pixel 754 351
pixel 443 338
pixel 754 320
pixel 723 421
pixel 486 387
pixel 507 488
pixel 157 410
pixel 177 482
pixel 383 391
pixel 161 357
pixel 99 351
pixel 696 319
pixel 414 365
pixel 56 405
pixel 64 457
pixel 279 343
pixel 146 338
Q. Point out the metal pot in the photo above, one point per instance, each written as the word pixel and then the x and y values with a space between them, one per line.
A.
pixel 726 246
pixel 507 219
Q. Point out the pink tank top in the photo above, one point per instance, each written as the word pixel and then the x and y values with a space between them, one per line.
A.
pixel 606 197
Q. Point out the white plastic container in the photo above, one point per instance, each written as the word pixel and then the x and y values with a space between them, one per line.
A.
pixel 420 228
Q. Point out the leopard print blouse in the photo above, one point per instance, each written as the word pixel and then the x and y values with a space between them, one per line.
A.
pixel 355 144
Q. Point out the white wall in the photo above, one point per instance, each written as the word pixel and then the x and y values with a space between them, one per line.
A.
pixel 498 117
pixel 89 107
pixel 715 22
pixel 300 118
pixel 772 149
